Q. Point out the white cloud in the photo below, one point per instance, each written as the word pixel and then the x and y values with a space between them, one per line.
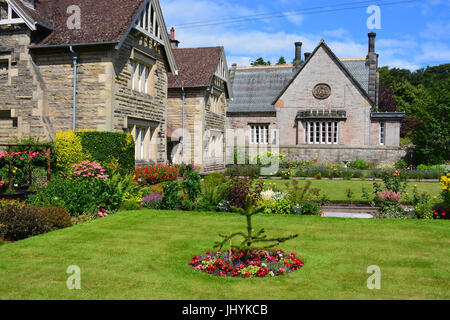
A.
pixel 436 31
pixel 336 33
pixel 294 17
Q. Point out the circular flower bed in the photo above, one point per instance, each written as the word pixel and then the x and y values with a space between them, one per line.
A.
pixel 247 264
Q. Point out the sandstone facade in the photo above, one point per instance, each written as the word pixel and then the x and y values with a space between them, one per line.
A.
pixel 121 84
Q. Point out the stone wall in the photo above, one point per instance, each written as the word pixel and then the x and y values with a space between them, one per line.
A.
pixel 20 112
pixel 338 154
pixel 56 69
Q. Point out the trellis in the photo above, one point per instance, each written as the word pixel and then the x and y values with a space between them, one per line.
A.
pixel 29 148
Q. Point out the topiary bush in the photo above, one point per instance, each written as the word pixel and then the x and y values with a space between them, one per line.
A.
pixel 68 150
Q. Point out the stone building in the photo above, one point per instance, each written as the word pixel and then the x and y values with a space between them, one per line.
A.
pixel 198 98
pixel 322 108
pixel 85 64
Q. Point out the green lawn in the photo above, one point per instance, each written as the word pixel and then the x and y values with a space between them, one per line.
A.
pixel 335 190
pixel 145 255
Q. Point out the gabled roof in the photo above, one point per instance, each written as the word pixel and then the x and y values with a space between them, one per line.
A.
pixel 197 67
pixel 340 64
pixel 254 88
pixel 102 21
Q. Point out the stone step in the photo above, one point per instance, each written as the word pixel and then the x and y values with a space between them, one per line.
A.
pixel 347 215
pixel 350 209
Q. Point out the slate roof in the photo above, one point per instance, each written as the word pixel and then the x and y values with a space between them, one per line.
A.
pixel 254 88
pixel 196 66
pixel 101 20
pixel 357 67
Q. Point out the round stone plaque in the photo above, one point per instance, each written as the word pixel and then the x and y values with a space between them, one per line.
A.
pixel 322 91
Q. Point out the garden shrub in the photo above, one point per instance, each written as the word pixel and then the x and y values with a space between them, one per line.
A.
pixel 358 164
pixel 74 196
pixel 215 189
pixel 395 181
pixel 19 221
pixel 129 205
pixel 170 195
pixel 424 211
pixel 80 195
pixel 401 164
pixel 22 222
pixel 68 151
pixel 310 208
pixel 445 193
pixel 239 190
pixel 115 151
pixel 57 218
pixel 182 168
pixel 191 185
pixel 279 203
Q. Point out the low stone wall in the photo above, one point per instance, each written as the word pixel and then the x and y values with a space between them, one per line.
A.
pixel 339 154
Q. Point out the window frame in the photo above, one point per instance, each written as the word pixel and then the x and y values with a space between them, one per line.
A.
pixel 382 133
pixel 259 133
pixel 142 75
pixel 321 132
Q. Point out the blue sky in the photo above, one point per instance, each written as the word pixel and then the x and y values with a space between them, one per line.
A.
pixel 412 35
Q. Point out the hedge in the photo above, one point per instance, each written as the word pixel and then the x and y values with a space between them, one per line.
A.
pixel 114 151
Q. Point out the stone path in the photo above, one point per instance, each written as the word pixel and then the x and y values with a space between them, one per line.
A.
pixel 347 215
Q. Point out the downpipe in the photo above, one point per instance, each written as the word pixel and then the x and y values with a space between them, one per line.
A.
pixel 75 68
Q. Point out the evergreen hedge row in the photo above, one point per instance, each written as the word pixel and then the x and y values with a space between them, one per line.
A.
pixel 114 151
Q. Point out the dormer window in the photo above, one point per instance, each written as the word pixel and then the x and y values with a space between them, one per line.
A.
pixel 8 16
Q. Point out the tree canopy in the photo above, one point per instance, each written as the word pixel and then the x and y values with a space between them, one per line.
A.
pixel 260 62
pixel 424 97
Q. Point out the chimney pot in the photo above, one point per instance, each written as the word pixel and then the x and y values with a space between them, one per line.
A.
pixel 307 54
pixel 174 43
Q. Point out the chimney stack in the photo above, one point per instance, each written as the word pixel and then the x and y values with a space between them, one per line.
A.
pixel 233 72
pixel 307 54
pixel 372 64
pixel 298 56
pixel 372 36
pixel 174 43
